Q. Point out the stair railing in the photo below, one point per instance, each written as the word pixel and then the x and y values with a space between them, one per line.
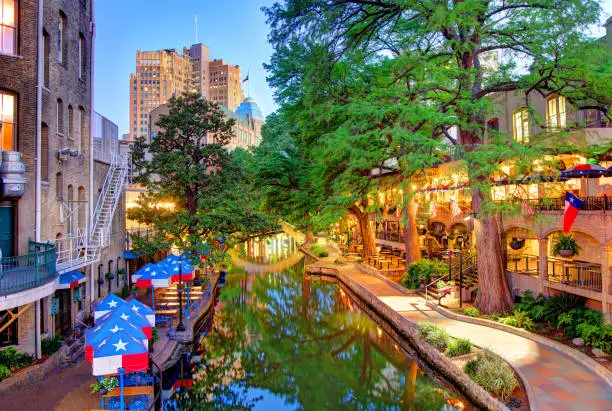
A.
pixel 468 265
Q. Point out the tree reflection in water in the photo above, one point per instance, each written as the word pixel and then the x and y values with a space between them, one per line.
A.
pixel 282 338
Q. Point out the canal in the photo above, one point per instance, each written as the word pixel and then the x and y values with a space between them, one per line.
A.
pixel 283 340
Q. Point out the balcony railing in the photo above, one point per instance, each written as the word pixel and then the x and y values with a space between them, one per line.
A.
pixel 27 271
pixel 558 204
pixel 522 263
pixel 390 236
pixel 575 273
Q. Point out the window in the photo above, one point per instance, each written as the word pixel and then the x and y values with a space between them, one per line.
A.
pixel 62 33
pixel 59 186
pixel 82 65
pixel 8 112
pixel 8 26
pixel 60 116
pixel 46 54
pixel 82 207
pixel 82 129
pixel 555 112
pixel 9 335
pixel 521 125
pixel 70 121
pixel 44 152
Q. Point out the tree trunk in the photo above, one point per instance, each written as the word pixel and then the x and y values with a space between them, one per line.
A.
pixel 309 238
pixel 363 219
pixel 493 290
pixel 411 236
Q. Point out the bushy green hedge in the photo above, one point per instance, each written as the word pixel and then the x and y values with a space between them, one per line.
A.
pixel 423 271
pixel 4 372
pixel 11 358
pixel 457 347
pixel 318 250
pixel 471 311
pixel 49 346
pixel 434 335
pixel 492 373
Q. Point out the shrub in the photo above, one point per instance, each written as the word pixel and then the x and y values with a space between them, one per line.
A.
pixel 440 284
pixel 11 358
pixel 519 320
pixel 338 261
pixel 565 242
pixel 434 335
pixel 458 347
pixel 425 270
pixel 359 260
pixel 4 372
pixel 562 303
pixel 471 311
pixel 492 373
pixel 49 346
pixel 596 336
pixel 577 316
pixel 410 281
pixel 318 250
pixel 154 335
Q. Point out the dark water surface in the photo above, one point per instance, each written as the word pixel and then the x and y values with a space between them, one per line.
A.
pixel 286 341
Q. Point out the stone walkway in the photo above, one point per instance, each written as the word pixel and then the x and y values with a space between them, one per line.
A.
pixel 558 382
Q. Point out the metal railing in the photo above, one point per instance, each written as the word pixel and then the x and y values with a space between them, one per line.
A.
pixel 390 236
pixel 575 273
pixel 522 263
pixel 558 204
pixel 27 271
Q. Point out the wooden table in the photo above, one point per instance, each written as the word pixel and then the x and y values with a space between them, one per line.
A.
pixel 128 391
pixel 167 312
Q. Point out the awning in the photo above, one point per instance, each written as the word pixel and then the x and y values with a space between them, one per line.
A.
pixel 71 279
pixel 129 255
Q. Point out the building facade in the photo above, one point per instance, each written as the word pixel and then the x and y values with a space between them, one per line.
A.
pixel 47 173
pixel 225 84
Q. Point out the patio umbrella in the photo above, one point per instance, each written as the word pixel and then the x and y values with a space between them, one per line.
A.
pixel 171 257
pixel 107 325
pixel 156 277
pixel 125 313
pixel 110 303
pixel 71 279
pixel 142 309
pixel 145 269
pixel 585 170
pixel 118 352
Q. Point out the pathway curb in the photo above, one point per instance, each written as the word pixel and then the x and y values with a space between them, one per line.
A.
pixel 581 358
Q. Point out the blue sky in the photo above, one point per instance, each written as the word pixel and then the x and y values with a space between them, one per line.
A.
pixel 235 30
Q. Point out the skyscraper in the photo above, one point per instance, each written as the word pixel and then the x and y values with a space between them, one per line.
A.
pixel 165 73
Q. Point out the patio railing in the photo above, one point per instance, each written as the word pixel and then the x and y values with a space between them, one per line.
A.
pixel 390 236
pixel 575 273
pixel 558 204
pixel 522 263
pixel 27 271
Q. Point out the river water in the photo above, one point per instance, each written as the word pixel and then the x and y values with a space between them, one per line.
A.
pixel 283 340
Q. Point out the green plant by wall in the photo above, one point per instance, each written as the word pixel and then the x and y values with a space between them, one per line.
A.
pixel 519 320
pixel 458 347
pixel 318 250
pixel 154 335
pixel 471 311
pixel 492 373
pixel 565 242
pixel 13 359
pixel 434 335
pixel 50 346
pixel 107 384
pixel 5 372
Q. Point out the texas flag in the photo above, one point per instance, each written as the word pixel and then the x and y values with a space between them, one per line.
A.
pixel 245 79
pixel 572 206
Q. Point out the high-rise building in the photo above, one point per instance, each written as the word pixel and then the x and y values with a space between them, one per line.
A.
pixel 225 84
pixel 162 74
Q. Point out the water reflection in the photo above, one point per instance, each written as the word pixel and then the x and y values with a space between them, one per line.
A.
pixel 284 341
pixel 274 253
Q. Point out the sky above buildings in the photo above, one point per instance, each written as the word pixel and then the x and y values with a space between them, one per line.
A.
pixel 234 30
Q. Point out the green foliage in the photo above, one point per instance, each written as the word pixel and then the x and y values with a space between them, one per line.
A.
pixel 5 372
pixel 50 346
pixel 12 359
pixel 520 320
pixel 154 335
pixel 440 284
pixel 562 303
pixel 564 320
pixel 124 292
pixel 492 373
pixel 424 271
pixel 339 261
pixel 471 367
pixel 108 384
pixel 565 242
pixel 359 260
pixel 319 250
pixel 596 336
pixel 458 347
pixel 471 311
pixel 532 307
pixel 434 335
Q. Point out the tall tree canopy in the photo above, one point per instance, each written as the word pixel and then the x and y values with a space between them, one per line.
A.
pixel 196 187
pixel 369 80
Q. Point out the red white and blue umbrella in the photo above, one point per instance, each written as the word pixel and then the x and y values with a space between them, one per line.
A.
pixel 119 350
pixel 107 305
pixel 71 279
pixel 143 270
pixel 171 257
pixel 156 277
pixel 127 314
pixel 185 270
pixel 106 326
pixel 142 309
pixel 585 170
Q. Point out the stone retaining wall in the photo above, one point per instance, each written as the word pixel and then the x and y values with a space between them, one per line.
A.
pixel 31 375
pixel 408 332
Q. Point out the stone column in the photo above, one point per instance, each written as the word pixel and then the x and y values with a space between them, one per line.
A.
pixel 542 263
pixel 605 282
pixel 37 336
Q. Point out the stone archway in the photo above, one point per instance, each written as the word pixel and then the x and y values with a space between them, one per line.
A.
pixel 522 250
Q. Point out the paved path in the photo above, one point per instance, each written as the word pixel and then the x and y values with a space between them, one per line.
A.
pixel 559 382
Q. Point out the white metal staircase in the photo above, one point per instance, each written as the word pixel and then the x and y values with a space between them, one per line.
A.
pixel 87 249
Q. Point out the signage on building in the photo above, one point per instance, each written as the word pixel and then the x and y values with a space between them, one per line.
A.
pixel 54 306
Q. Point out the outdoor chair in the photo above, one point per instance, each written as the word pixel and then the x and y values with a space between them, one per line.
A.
pixel 146 380
pixel 139 402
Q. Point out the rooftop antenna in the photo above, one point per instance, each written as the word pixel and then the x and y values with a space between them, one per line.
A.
pixel 196 27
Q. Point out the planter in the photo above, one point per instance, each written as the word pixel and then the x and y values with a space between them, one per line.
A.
pixel 516 244
pixel 566 253
pixel 100 282
pixel 103 391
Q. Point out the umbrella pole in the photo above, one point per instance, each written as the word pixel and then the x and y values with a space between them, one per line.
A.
pixel 152 297
pixel 121 392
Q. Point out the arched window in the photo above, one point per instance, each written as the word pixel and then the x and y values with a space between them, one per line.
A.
pixel 62 39
pixel 46 54
pixel 8 27
pixel 520 120
pixel 58 244
pixel 110 270
pixel 44 152
pixel 59 186
pixel 82 207
pixel 8 114
pixel 555 112
pixel 71 205
pixel 60 116
pixel 82 139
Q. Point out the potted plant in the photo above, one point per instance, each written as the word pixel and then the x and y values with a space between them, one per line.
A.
pixel 121 272
pixel 468 289
pixel 109 275
pixel 104 386
pixel 154 337
pixel 517 244
pixel 565 246
pixel 100 281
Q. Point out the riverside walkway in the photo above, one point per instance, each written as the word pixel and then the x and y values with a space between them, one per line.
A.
pixel 555 381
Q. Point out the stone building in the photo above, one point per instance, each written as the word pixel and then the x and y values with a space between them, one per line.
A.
pixel 50 230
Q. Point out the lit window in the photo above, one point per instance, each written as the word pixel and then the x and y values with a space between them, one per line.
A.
pixel 7 121
pixel 555 112
pixel 521 125
pixel 8 26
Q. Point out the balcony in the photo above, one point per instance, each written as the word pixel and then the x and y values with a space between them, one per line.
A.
pixel 390 236
pixel 558 204
pixel 28 271
pixel 575 273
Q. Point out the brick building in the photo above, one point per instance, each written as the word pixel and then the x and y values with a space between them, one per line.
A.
pixel 49 178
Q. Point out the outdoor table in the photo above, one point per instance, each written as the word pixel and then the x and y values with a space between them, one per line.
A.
pixel 162 300
pixel 169 312
pixel 127 391
pixel 382 261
